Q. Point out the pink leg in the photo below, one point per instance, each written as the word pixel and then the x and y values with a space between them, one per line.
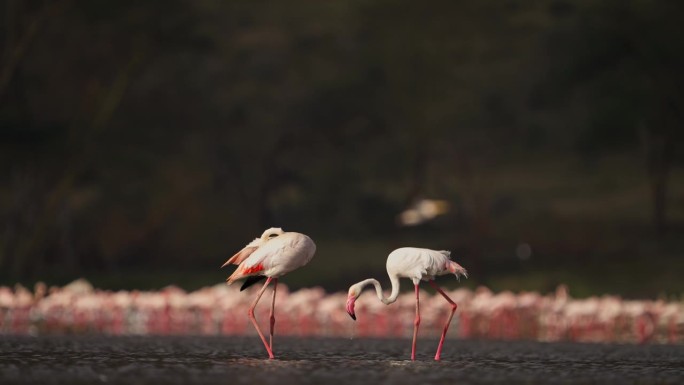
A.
pixel 446 326
pixel 254 321
pixel 416 323
pixel 275 287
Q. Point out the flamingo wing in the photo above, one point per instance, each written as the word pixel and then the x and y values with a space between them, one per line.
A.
pixel 416 263
pixel 251 280
pixel 240 256
pixel 249 266
pixel 276 257
pixel 289 252
pixel 259 260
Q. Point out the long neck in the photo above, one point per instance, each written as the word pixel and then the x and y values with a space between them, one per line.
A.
pixel 378 289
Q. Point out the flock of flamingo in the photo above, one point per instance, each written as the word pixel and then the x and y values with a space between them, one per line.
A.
pixel 222 309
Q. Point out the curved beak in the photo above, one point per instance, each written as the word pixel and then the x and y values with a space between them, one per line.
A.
pixel 350 307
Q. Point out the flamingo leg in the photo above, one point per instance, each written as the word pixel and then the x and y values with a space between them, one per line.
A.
pixel 254 321
pixel 275 287
pixel 416 323
pixel 446 325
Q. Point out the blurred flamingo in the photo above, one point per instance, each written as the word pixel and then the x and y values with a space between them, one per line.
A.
pixel 272 255
pixel 416 264
pixel 211 310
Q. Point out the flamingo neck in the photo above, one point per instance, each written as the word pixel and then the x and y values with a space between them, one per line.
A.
pixel 394 280
pixel 378 289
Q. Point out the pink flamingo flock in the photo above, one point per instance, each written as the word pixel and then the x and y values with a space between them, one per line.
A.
pixel 222 310
pixel 80 308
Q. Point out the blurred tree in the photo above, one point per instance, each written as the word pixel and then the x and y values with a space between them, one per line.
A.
pixel 625 58
pixel 66 105
pixel 166 132
pixel 23 22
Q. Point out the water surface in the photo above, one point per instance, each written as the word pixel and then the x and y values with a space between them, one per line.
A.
pixel 242 360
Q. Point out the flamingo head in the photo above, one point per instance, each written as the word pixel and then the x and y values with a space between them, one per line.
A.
pixel 354 293
pixel 271 233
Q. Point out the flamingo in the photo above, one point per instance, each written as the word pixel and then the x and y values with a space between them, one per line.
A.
pixel 416 264
pixel 272 255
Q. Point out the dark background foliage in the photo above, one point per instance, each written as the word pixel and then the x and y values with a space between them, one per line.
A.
pixel 142 143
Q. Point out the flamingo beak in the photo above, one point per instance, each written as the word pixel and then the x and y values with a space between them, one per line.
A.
pixel 350 307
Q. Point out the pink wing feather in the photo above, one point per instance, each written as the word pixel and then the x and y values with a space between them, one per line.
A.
pixel 240 256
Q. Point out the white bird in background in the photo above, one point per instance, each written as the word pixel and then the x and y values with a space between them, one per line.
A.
pixel 422 211
pixel 272 255
pixel 416 264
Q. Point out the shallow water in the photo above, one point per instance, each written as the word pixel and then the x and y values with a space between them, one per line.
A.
pixel 241 360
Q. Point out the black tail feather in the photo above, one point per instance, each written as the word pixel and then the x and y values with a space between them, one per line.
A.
pixel 251 281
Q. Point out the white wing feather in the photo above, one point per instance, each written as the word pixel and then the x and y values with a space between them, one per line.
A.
pixel 282 254
pixel 417 264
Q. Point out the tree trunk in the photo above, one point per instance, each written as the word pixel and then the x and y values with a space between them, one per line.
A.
pixel 659 151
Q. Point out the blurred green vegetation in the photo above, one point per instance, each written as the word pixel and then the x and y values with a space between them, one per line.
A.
pixel 142 143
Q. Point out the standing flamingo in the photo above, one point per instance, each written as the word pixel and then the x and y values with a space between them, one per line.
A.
pixel 272 255
pixel 416 264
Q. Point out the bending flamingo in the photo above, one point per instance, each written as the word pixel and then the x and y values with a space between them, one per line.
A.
pixel 272 255
pixel 416 264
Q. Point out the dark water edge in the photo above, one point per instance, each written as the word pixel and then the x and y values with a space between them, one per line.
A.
pixel 242 360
